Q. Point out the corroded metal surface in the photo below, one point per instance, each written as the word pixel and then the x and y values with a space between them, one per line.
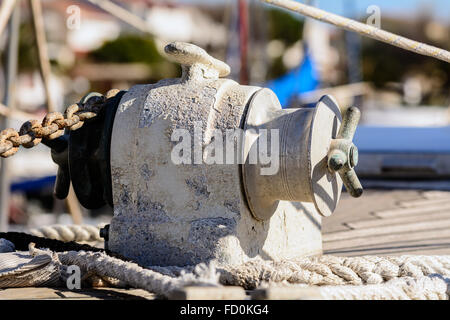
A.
pixel 169 214
pixel 305 135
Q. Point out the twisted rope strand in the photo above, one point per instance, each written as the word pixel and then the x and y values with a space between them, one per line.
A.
pixel 335 271
pixel 367 277
pixel 68 233
pixel 406 288
pixel 136 276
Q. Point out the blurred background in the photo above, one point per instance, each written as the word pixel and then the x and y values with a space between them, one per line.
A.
pixel 404 137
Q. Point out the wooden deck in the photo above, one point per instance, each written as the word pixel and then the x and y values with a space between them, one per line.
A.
pixel 84 294
pixel 379 223
pixel 390 223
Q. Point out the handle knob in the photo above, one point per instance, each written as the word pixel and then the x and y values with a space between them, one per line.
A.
pixel 343 154
pixel 195 61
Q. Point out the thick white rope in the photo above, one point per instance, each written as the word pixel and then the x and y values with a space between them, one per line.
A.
pixel 66 233
pixel 335 271
pixel 17 271
pixel 363 29
pixel 135 276
pixel 368 277
pixel 433 287
pixel 407 288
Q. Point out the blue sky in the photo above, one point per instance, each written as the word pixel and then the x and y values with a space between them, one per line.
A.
pixel 439 8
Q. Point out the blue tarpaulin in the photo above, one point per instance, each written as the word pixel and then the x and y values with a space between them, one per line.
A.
pixel 302 79
pixel 33 184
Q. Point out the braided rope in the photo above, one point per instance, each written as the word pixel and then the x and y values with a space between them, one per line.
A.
pixel 42 270
pixel 363 29
pixel 67 233
pixel 367 277
pixel 335 271
pixel 330 277
pixel 52 126
pixel 407 288
pixel 434 287
pixel 136 276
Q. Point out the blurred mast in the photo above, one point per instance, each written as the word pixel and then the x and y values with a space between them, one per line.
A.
pixel 353 42
pixel 258 42
pixel 9 100
pixel 232 57
pixel 41 45
pixel 243 40
pixel 72 203
pixel 6 10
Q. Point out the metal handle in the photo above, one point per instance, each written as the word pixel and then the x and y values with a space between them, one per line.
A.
pixel 343 154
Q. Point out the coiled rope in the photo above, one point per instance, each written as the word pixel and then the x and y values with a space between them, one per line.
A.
pixel 335 271
pixel 363 29
pixel 367 277
pixel 434 287
pixel 66 233
pixel 102 265
pixel 423 288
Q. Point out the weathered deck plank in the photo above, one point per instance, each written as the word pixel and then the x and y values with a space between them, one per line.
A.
pixel 442 235
pixel 65 294
pixel 427 202
pixel 402 223
pixel 351 210
pixel 387 229
pixel 437 216
pixel 407 212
